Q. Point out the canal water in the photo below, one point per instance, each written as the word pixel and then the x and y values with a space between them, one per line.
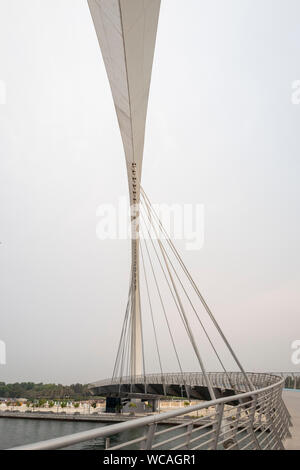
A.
pixel 18 431
pixel 15 432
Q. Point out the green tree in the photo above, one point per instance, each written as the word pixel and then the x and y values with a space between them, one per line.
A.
pixel 50 391
pixel 42 402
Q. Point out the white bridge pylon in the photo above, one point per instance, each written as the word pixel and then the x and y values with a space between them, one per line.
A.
pixel 126 31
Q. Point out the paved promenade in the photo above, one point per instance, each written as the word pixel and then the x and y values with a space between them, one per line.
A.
pixel 292 401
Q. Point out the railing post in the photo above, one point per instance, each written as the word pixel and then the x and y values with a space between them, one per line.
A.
pixel 287 413
pixel 285 418
pixel 252 421
pixel 189 429
pixel 164 385
pixel 271 412
pixel 236 425
pixel 187 390
pixel 148 442
pixel 220 412
pixel 107 443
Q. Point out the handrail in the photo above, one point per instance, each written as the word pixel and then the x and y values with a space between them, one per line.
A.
pixel 65 441
pixel 182 378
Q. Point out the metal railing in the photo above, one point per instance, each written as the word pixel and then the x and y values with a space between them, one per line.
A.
pixel 251 420
pixel 218 379
pixel 291 379
pixel 187 382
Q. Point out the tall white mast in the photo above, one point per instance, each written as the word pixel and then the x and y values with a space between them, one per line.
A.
pixel 126 31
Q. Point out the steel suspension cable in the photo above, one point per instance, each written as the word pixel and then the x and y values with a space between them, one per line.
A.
pixel 125 354
pixel 142 335
pixel 165 275
pixel 187 273
pixel 151 310
pixel 168 283
pixel 191 335
pixel 195 311
pixel 162 304
pixel 123 333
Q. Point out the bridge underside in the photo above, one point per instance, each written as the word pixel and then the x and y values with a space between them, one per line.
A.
pixel 189 385
pixel 154 391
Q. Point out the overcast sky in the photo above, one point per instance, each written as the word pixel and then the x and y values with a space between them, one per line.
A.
pixel 221 131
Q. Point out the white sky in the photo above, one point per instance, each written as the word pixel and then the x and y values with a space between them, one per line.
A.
pixel 221 131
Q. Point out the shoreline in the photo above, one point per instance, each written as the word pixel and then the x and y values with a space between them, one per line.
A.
pixel 101 418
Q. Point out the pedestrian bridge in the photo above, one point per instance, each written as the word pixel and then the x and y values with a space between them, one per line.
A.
pixel 190 385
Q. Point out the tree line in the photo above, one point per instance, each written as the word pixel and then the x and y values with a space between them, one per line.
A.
pixel 33 391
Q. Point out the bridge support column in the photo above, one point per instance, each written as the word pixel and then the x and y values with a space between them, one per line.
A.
pixel 113 405
pixel 155 405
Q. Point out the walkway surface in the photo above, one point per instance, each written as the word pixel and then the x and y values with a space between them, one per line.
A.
pixel 292 401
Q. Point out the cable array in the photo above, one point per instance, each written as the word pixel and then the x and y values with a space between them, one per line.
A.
pixel 156 244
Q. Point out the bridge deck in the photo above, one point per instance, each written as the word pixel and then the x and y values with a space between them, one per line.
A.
pixel 191 385
pixel 292 401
